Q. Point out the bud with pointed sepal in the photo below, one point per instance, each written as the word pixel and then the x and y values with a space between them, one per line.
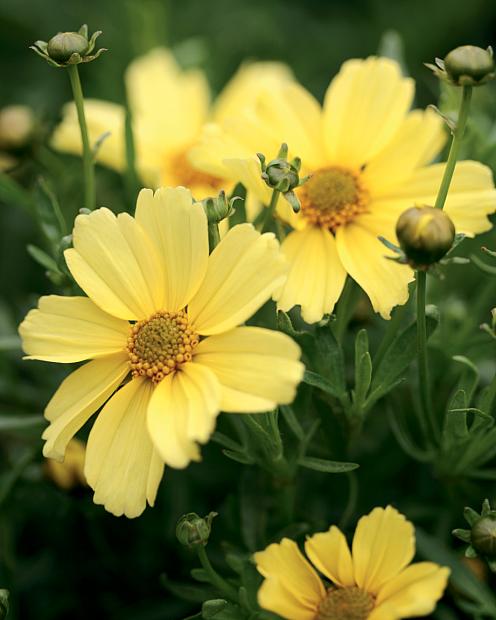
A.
pixel 467 65
pixel 193 531
pixel 481 537
pixel 69 48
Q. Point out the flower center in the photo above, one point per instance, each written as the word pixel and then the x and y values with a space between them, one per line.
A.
pixel 159 345
pixel 332 197
pixel 188 176
pixel 346 604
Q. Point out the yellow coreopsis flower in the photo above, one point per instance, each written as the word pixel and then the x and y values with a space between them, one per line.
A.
pixel 169 108
pixel 160 326
pixel 373 581
pixel 368 156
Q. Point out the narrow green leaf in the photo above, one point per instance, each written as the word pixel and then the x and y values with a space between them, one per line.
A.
pixel 328 358
pixel 312 378
pixel 328 467
pixel 292 421
pixel 239 457
pixel 43 259
pixel 21 422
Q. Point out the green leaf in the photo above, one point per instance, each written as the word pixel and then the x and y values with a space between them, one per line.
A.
pixel 21 422
pixel 239 457
pixel 186 591
pixel 292 421
pixel 11 193
pixel 200 574
pixel 328 467
pixel 396 359
pixel 211 608
pixel 363 368
pixel 471 517
pixel 469 378
pixel 43 259
pixel 312 378
pixel 328 358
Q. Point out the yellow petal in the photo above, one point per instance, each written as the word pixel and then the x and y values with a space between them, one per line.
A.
pixel 258 368
pixel 70 472
pixel 179 232
pixel 316 274
pixel 363 257
pixel 169 105
pixel 247 172
pixel 243 272
pixel 246 85
pixel 414 592
pixel 384 543
pixel 364 107
pixel 122 466
pixel 470 200
pixel 291 585
pixel 103 118
pixel 419 139
pixel 114 263
pixel 329 552
pixel 182 412
pixel 78 397
pixel 71 329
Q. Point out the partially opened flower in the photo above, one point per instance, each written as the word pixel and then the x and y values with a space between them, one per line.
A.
pixel 368 156
pixel 373 581
pixel 169 108
pixel 160 326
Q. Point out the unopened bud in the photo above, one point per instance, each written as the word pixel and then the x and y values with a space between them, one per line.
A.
pixel 194 531
pixel 218 208
pixel 425 235
pixel 64 44
pixel 469 65
pixel 483 535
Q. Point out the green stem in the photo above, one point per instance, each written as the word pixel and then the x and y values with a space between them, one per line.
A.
pixel 423 368
pixel 270 210
pixel 213 236
pixel 455 147
pixel 490 396
pixel 88 165
pixel 215 579
pixel 345 308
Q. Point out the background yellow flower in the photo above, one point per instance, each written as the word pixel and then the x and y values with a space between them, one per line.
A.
pixel 374 581
pixel 165 314
pixel 369 158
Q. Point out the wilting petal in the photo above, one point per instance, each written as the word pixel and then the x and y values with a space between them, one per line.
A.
pixel 179 231
pixel 78 397
pixel 182 412
pixel 114 263
pixel 122 466
pixel 71 329
pixel 243 272
pixel 258 368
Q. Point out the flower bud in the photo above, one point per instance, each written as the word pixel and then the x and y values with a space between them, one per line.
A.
pixel 483 535
pixel 425 235
pixel 64 44
pixel 16 126
pixel 218 208
pixel 193 531
pixel 469 65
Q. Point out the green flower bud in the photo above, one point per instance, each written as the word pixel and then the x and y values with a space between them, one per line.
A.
pixel 425 235
pixel 193 531
pixel 218 208
pixel 64 44
pixel 469 65
pixel 483 535
pixel 281 175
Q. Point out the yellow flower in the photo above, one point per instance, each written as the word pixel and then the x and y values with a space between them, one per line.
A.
pixel 169 108
pixel 369 159
pixel 70 472
pixel 375 581
pixel 164 314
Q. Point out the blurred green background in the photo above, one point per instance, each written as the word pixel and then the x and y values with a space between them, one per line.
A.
pixel 60 555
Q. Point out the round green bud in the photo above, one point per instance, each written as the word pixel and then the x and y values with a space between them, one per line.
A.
pixel 425 234
pixel 194 531
pixel 281 175
pixel 218 208
pixel 469 64
pixel 483 535
pixel 64 44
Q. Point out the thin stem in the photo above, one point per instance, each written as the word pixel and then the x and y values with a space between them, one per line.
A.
pixel 270 210
pixel 455 147
pixel 490 396
pixel 213 236
pixel 345 308
pixel 215 579
pixel 88 165
pixel 423 368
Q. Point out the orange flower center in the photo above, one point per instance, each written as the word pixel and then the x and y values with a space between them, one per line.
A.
pixel 332 197
pixel 159 345
pixel 345 604
pixel 188 176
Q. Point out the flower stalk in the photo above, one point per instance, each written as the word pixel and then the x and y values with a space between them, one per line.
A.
pixel 88 163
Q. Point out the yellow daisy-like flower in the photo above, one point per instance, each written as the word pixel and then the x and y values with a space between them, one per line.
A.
pixel 369 159
pixel 160 326
pixel 169 108
pixel 373 581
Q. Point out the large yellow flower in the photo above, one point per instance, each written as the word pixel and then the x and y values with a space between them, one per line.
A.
pixel 368 156
pixel 169 108
pixel 375 581
pixel 160 326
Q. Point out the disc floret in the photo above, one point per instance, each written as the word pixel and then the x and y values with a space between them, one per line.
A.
pixel 160 344
pixel 351 603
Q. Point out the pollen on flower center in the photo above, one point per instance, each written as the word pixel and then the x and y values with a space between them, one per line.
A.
pixel 346 604
pixel 332 197
pixel 159 345
pixel 188 176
